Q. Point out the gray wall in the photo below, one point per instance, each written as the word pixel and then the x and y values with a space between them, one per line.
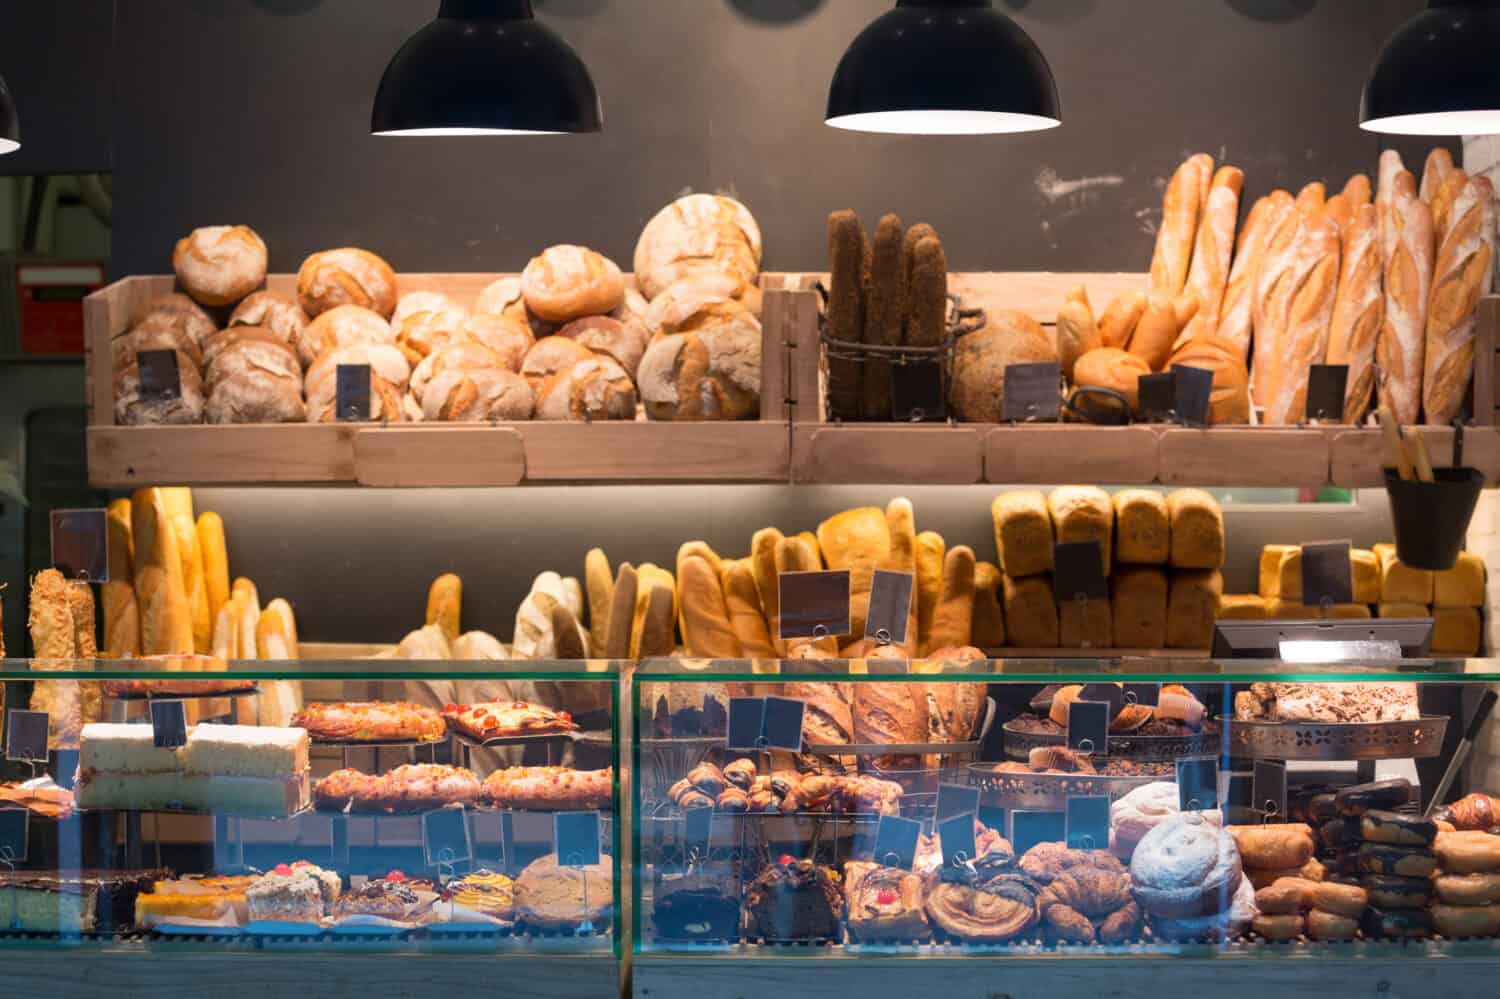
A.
pixel 58 61
pixel 257 111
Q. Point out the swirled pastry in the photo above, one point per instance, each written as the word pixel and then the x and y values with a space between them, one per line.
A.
pixel 995 910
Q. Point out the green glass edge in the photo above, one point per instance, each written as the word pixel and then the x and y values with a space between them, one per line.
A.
pixel 22 670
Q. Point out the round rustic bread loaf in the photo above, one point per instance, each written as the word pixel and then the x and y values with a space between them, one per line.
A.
pixel 694 235
pixel 1229 402
pixel 977 394
pixel 346 276
pixel 220 264
pixel 709 373
pixel 568 282
pixel 273 312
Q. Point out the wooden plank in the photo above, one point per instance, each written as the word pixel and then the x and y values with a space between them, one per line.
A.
pixel 1038 293
pixel 1358 457
pixel 1486 360
pixel 127 457
pixel 1244 456
pixel 1026 455
pixel 799 323
pixel 776 311
pixel 887 453
pixel 745 451
pixel 439 455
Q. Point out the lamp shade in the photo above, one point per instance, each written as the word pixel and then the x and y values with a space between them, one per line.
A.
pixel 486 67
pixel 943 67
pixel 1438 75
pixel 10 124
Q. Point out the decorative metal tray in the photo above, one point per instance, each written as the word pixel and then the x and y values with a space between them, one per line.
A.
pixel 1048 791
pixel 1151 748
pixel 1337 740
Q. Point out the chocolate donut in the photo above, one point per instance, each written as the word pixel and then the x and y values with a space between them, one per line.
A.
pixel 1387 891
pixel 1395 923
pixel 1342 832
pixel 1382 794
pixel 1402 861
pixel 1379 826
pixel 1322 807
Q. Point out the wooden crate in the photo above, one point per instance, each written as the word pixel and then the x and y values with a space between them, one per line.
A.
pixel 419 454
pixel 1044 454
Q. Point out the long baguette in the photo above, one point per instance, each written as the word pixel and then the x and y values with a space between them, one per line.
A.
pixel 1235 322
pixel 763 563
pixel 166 622
pixel 1408 287
pixel 178 501
pixel 1214 251
pixel 1273 289
pixel 215 560
pixel 1181 208
pixel 1443 200
pixel 1357 191
pixel 1312 198
pixel 1464 273
pixel 1315 275
pixel 1436 170
pixel 122 617
pixel 1391 167
pixel 599 582
pixel 1357 311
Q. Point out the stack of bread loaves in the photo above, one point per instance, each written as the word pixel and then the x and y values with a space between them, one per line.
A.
pixel 1162 554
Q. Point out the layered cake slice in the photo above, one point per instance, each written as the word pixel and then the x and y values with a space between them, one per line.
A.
pixel 296 893
pixel 73 902
pixel 246 751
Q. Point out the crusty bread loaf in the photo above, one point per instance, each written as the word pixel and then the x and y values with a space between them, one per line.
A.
pixel 696 234
pixel 346 276
pixel 1461 586
pixel 1138 607
pixel 1443 201
pixel 1274 287
pixel 389 376
pixel 622 612
pixel 1229 400
pixel 857 540
pixel 1271 557
pixel 901 523
pixel 1197 525
pixel 1160 326
pixel 1236 313
pixel 567 282
pixel 591 390
pixel 1030 612
pixel 1023 532
pixel 977 393
pixel 599 583
pixel 1402 344
pixel 425 321
pixel 221 264
pixel 891 714
pixel 276 313
pixel 1181 210
pixel 508 340
pixel 1085 624
pixel 710 373
pixel 1391 167
pixel 250 350
pixel 1077 331
pixel 829 717
pixel 1081 513
pixel 466 357
pixel 1436 170
pixel 1192 608
pixel 133 408
pixel 706 628
pixel 1213 250
pixel 478 396
pixel 1112 368
pixel 49 618
pixel 162 329
pixel 343 326
pixel 1120 318
pixel 445 605
pixel 122 620
pixel 742 600
pixel 166 618
pixel 180 312
pixel 1464 273
pixel 624 342
pixel 1357 311
pixel 1142 531
pixel 1302 317
pixel 927 295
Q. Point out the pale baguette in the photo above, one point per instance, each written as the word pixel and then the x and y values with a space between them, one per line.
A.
pixel 1315 275
pixel 1391 167
pixel 1273 288
pixel 1357 311
pixel 166 621
pixel 1464 273
pixel 1213 252
pixel 1181 208
pixel 1437 168
pixel 1408 287
pixel 1235 322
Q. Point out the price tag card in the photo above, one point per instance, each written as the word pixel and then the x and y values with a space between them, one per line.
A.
pixel 957 799
pixel 1327 574
pixel 1030 828
pixel 15 834
pixel 1194 389
pixel 917 393
pixel 168 724
pixel 80 544
pixel 1143 693
pixel 1158 395
pixel 1088 822
pixel 67 768
pixel 160 379
pixel 956 840
pixel 698 826
pixel 896 841
pixel 575 838
pixel 1326 384
pixel 1110 693
pixel 352 393
pixel 1198 784
pixel 1268 787
pixel 26 736
pixel 747 721
pixel 814 604
pixel 783 723
pixel 890 606
pixel 1032 392
pixel 1088 727
pixel 1239 790
pixel 445 837
pixel 992 816
pixel 1078 571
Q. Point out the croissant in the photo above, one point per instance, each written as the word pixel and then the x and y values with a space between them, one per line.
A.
pixel 1473 811
pixel 1059 758
pixel 1087 904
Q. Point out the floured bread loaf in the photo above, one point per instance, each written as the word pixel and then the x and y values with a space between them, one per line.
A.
pixel 273 312
pixel 346 276
pixel 343 326
pixel 477 396
pixel 710 373
pixel 593 389
pixel 697 234
pixel 220 264
pixel 568 282
pixel 132 408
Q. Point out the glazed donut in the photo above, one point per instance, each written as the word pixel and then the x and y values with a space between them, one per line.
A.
pixel 1402 861
pixel 1468 852
pixel 569 282
pixel 1348 901
pixel 1377 826
pixel 1284 927
pixel 1285 896
pixel 220 264
pixel 1468 889
pixel 1323 925
pixel 346 276
pixel 1387 891
pixel 1275 846
pixel 1459 921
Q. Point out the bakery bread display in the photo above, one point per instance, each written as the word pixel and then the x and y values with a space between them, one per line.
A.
pixel 371 722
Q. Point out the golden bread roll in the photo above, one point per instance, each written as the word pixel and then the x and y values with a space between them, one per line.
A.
pixel 694 235
pixel 346 276
pixel 1120 318
pixel 706 629
pixel 275 313
pixel 344 326
pixel 591 390
pixel 1077 331
pixel 221 264
pixel 1115 369
pixel 567 282
pixel 445 604
pixel 623 342
pixel 276 632
pixel 857 540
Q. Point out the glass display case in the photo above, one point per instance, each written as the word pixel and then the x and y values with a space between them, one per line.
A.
pixel 933 815
pixel 466 808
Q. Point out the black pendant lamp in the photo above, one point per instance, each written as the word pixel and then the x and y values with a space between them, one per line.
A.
pixel 943 67
pixel 10 124
pixel 1439 74
pixel 486 67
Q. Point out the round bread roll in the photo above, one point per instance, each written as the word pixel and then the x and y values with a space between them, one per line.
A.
pixel 1229 403
pixel 509 339
pixel 1185 867
pixel 273 312
pixel 251 350
pixel 426 320
pixel 346 276
pixel 696 234
pixel 425 301
pixel 977 394
pixel 623 341
pixel 220 264
pixel 256 397
pixel 635 305
pixel 131 410
pixel 711 373
pixel 477 395
pixel 344 326
pixel 387 400
pixel 568 282
pixel 1112 368
pixel 551 355
pixel 385 361
pixel 462 356
pixel 593 389
pixel 691 303
pixel 157 331
pixel 178 310
pixel 503 298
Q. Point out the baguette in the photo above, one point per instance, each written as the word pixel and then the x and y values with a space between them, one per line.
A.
pixel 215 561
pixel 178 501
pixel 247 603
pixel 883 317
pixel 445 605
pixel 276 632
pixel 988 628
pixel 1212 254
pixel 1312 198
pixel 567 634
pixel 122 619
pixel 1464 273
pixel 814 550
pixel 848 255
pixel 742 601
pixel 166 621
pixel 1357 311
pixel 1315 275
pixel 901 525
pixel 953 619
pixel 1391 167
pixel 927 321
pixel 1442 202
pixel 1436 170
pixel 1357 192
pixel 763 547
pixel 706 630
pixel 1077 331
pixel 1339 209
pixel 930 554
pixel 1182 207
pixel 857 540
pixel 652 577
pixel 1121 317
pixel 1273 289
pixel 1235 313
pixel 622 612
pixel 599 582
pixel 1408 284
pixel 227 630
pixel 657 631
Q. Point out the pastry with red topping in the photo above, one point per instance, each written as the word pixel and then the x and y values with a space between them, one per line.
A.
pixel 371 721
pixel 293 893
pixel 549 789
pixel 415 787
pixel 885 903
pixel 500 719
